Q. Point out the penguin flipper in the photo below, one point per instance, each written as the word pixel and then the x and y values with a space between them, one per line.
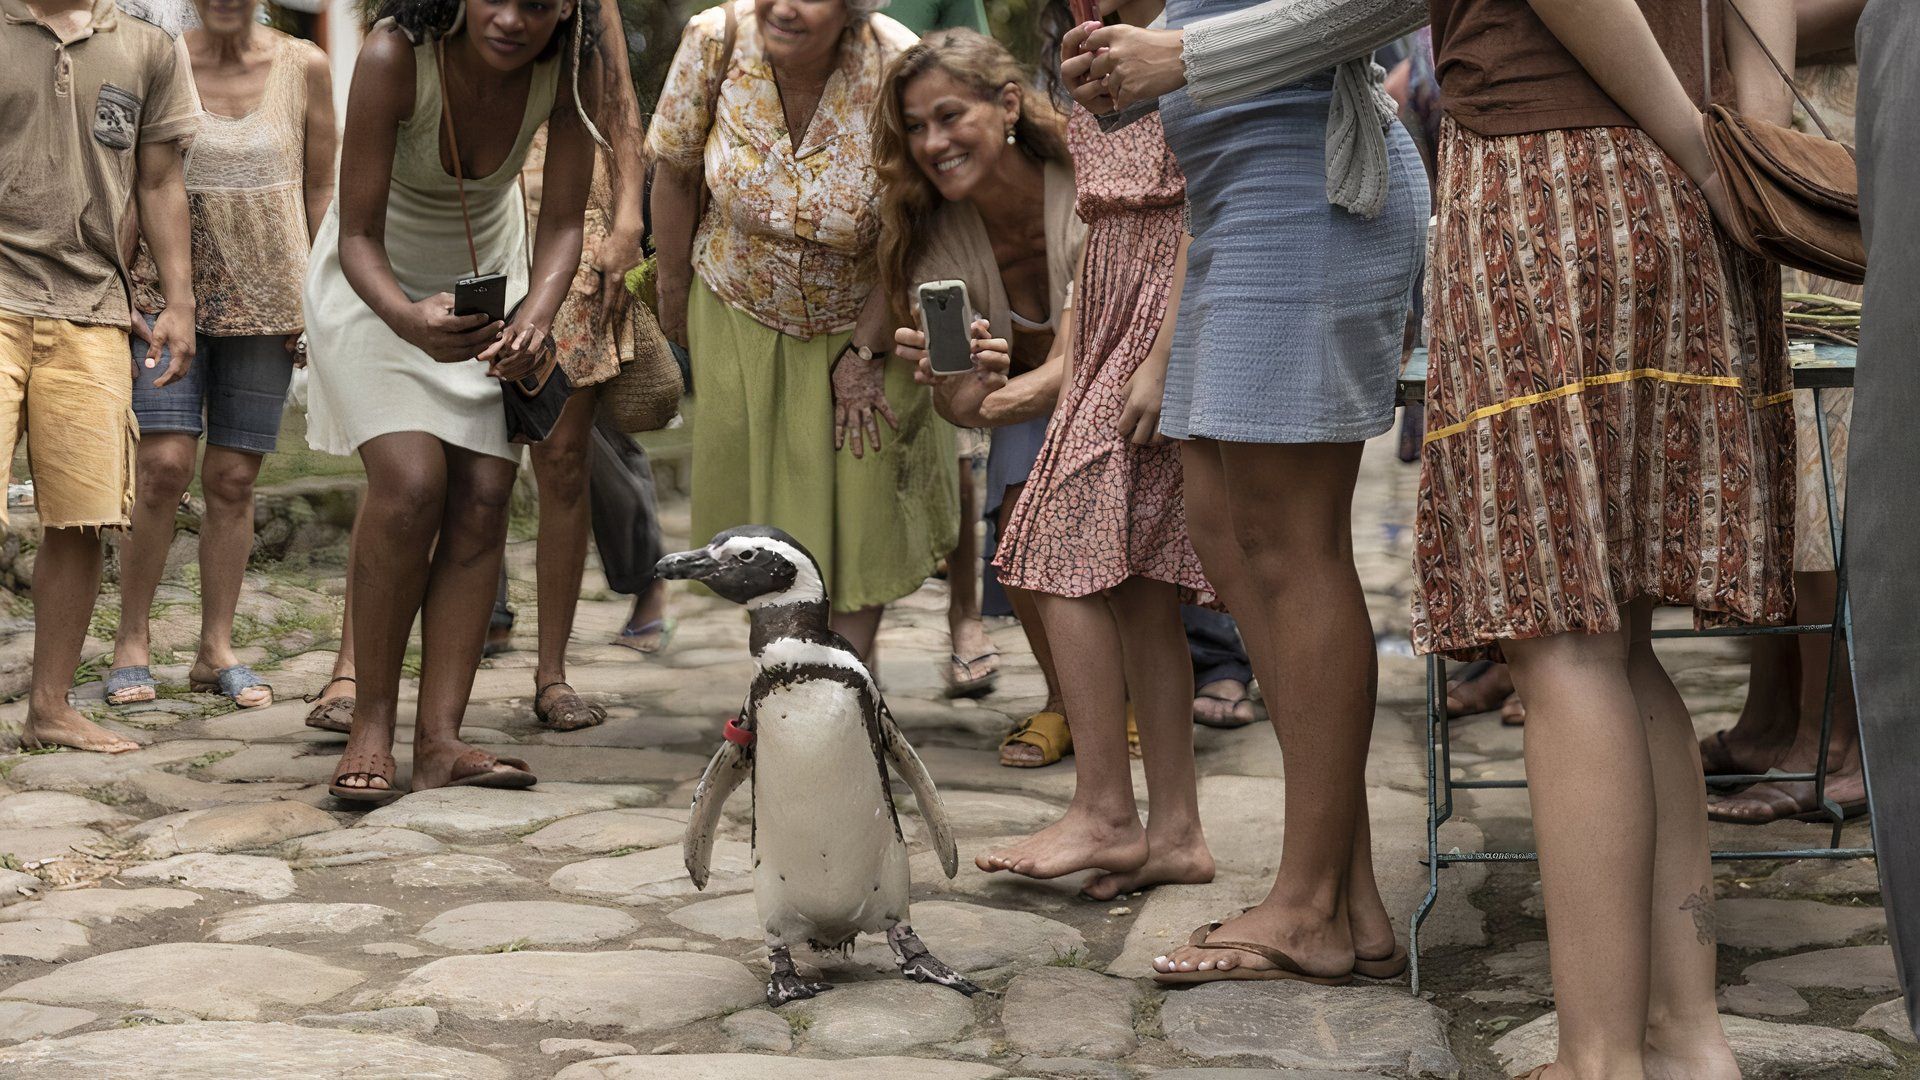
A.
pixel 731 764
pixel 914 772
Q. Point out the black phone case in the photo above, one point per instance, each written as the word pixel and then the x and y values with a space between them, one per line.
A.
pixel 945 315
pixel 485 295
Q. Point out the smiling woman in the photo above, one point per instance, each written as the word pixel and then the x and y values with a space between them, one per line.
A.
pixel 770 282
pixel 428 196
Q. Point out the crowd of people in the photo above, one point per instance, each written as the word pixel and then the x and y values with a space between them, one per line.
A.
pixel 1198 249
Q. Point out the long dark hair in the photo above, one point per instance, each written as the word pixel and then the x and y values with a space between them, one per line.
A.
pixel 1052 21
pixel 424 20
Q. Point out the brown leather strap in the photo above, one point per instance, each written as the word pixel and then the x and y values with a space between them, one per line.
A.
pixel 453 143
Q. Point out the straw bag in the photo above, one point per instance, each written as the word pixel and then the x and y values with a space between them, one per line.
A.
pixel 1795 197
pixel 645 395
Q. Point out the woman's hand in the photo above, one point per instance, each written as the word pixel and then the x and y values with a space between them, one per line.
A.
pixel 859 395
pixel 1135 64
pixel 297 349
pixel 1140 416
pixel 172 337
pixel 617 253
pixel 671 296
pixel 518 351
pixel 432 326
pixel 992 358
pixel 1076 71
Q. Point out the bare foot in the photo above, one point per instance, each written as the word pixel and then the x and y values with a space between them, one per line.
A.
pixel 970 638
pixel 1074 843
pixel 1483 691
pixel 66 727
pixel 1224 703
pixel 1763 803
pixel 1705 1056
pixel 1320 947
pixel 1514 712
pixel 1171 860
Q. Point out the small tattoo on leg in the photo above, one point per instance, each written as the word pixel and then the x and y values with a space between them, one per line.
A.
pixel 1700 906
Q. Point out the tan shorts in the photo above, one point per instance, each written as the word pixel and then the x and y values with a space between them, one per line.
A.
pixel 69 387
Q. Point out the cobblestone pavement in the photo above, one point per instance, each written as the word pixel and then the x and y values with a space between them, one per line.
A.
pixel 201 908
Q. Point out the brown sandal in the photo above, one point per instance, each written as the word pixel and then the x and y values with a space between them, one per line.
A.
pixel 368 763
pixel 1285 968
pixel 1539 1072
pixel 333 714
pixel 570 711
pixel 1392 966
pixel 478 768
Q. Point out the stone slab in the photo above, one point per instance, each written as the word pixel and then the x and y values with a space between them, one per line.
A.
pixel 637 991
pixel 1865 968
pixel 254 875
pixel 653 875
pixel 472 815
pixel 1765 1050
pixel 877 1018
pixel 1299 1025
pixel 99 907
pixel 41 809
pixel 478 927
pixel 243 1051
pixel 611 830
pixel 766 1067
pixel 230 828
pixel 46 940
pixel 214 982
pixel 299 920
pixel 23 1020
pixel 1070 1012
pixel 1779 925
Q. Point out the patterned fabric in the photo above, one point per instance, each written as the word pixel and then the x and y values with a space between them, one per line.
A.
pixel 1606 398
pixel 585 352
pixel 789 235
pixel 246 193
pixel 1097 509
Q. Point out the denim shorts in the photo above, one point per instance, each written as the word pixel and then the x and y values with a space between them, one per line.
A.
pixel 237 384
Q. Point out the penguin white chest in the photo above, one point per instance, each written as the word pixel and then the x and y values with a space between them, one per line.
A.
pixel 827 861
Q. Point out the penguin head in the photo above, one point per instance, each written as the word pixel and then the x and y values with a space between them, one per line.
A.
pixel 755 565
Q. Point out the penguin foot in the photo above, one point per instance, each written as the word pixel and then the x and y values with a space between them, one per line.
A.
pixel 920 965
pixel 782 988
pixel 786 984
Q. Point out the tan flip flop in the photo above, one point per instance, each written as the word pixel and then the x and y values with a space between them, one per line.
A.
pixel 1284 969
pixel 1046 731
pixel 1391 967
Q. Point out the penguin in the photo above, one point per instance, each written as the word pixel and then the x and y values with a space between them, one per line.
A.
pixel 813 743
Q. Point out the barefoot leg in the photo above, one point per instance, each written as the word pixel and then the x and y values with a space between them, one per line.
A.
pixel 66 579
pixel 1159 677
pixel 1101 829
pixel 163 467
pixel 226 542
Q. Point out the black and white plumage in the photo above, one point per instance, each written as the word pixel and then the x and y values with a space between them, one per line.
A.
pixel 815 743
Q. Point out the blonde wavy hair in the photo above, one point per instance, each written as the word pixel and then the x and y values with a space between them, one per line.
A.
pixel 907 198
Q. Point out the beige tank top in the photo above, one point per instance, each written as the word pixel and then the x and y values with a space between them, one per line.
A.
pixel 246 188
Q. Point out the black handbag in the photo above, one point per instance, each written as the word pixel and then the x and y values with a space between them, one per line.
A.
pixel 534 401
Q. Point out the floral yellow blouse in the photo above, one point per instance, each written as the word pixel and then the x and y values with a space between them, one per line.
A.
pixel 789 235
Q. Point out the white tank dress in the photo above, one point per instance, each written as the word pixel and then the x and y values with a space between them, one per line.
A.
pixel 364 381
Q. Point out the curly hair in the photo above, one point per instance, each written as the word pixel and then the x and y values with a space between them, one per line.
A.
pixel 908 198
pixel 424 20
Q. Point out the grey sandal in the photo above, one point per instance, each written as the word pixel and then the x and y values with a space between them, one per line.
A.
pixel 128 685
pixel 231 683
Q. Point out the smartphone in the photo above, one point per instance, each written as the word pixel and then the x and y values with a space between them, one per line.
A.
pixel 947 318
pixel 482 295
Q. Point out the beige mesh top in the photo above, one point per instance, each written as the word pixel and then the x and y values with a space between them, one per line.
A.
pixel 246 187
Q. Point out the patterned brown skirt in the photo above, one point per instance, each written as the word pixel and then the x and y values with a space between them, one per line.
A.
pixel 1608 404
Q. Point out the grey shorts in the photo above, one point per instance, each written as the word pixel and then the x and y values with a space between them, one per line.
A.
pixel 235 392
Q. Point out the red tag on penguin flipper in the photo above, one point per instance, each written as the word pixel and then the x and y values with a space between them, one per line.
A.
pixel 736 734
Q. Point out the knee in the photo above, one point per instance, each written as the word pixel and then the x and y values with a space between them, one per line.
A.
pixel 1276 550
pixel 562 471
pixel 162 477
pixel 407 505
pixel 229 484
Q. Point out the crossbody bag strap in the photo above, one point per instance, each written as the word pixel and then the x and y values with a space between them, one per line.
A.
pixel 453 143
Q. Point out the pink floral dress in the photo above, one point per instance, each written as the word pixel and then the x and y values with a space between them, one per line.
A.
pixel 1097 509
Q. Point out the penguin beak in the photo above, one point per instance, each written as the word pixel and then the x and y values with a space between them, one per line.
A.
pixel 687 566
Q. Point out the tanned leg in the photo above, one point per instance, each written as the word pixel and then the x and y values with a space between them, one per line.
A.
pixel 226 542
pixel 342 681
pixel 459 601
pixel 560 469
pixel 1293 586
pixel 1159 676
pixel 399 517
pixel 1816 594
pixel 163 467
pixel 1101 829
pixel 1684 1039
pixel 66 579
pixel 1593 791
pixel 968 633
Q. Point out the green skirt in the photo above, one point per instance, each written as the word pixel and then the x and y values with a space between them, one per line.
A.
pixel 762 418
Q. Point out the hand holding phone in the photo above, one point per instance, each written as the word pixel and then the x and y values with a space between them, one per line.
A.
pixel 483 294
pixel 945 317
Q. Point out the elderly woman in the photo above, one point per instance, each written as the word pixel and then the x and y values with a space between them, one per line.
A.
pixel 258 182
pixel 773 289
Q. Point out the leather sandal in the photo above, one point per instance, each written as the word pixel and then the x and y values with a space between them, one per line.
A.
pixel 333 714
pixel 568 712
pixel 370 763
pixel 478 768
pixel 1045 731
pixel 1285 968
pixel 1392 966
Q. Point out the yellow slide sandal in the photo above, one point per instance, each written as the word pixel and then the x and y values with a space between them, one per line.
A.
pixel 1040 740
